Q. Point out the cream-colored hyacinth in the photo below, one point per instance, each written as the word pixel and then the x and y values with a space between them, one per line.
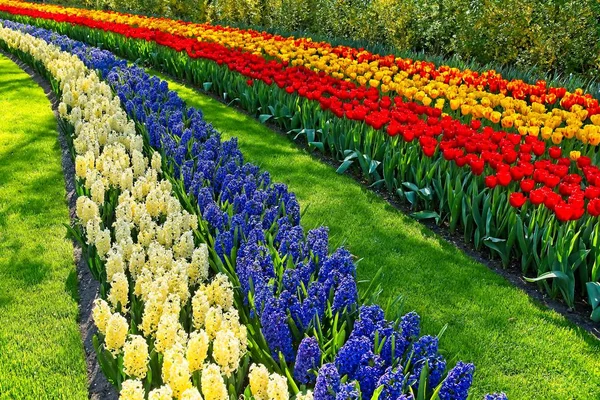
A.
pixel 166 268
pixel 132 390
pixel 135 357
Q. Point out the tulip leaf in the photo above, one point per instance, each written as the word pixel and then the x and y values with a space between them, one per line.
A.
pixel 593 290
pixel 264 118
pixel 344 166
pixel 500 247
pixel 318 145
pixel 595 315
pixel 422 215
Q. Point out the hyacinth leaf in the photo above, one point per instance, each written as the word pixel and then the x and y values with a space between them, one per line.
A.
pixel 317 145
pixel 74 234
pixel 436 393
pixel 442 331
pixel 423 381
pixel 595 242
pixel 377 393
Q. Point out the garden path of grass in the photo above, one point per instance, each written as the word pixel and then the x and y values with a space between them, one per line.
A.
pixel 41 353
pixel 518 346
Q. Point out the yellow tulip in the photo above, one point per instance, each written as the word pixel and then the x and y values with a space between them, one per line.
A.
pixel 507 122
pixel 574 155
pixel 571 131
pixel 495 117
pixel 594 138
pixel 557 137
pixel 546 132
pixel 534 131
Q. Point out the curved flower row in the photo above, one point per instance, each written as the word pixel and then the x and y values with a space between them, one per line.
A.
pixel 162 318
pixel 509 157
pixel 303 300
pixel 552 113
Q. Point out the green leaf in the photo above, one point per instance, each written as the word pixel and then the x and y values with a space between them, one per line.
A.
pixel 318 145
pixel 421 215
pixel 499 246
pixel 377 392
pixel 344 166
pixel 593 290
pixel 264 118
pixel 595 315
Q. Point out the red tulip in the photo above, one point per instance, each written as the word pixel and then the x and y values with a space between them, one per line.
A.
pixel 517 173
pixel 551 181
pixel 551 200
pixel 555 152
pixel 563 212
pixel 504 178
pixel 537 196
pixel 593 207
pixel 592 192
pixel 408 135
pixel 491 181
pixel 429 151
pixel 517 199
pixel 539 148
pixel 584 161
pixel 527 185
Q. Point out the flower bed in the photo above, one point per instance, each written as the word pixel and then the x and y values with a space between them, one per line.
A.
pixel 514 193
pixel 297 305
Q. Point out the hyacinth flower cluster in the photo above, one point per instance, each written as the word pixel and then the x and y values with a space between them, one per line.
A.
pixel 290 283
pixel 166 328
pixel 391 361
pixel 288 280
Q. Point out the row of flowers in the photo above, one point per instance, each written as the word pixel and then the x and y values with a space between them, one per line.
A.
pixel 298 304
pixel 552 113
pixel 516 195
pixel 161 318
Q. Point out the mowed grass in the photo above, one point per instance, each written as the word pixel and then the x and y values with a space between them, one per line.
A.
pixel 518 346
pixel 41 353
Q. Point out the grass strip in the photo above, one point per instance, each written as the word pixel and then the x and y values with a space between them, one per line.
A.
pixel 518 346
pixel 41 353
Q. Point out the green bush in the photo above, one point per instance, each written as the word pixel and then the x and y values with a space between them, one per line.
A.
pixel 561 36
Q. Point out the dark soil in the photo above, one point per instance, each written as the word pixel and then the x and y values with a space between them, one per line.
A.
pixel 98 386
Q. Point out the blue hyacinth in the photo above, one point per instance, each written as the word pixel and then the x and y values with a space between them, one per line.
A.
pixel 308 358
pixel 457 383
pixel 348 391
pixel 495 396
pixel 328 383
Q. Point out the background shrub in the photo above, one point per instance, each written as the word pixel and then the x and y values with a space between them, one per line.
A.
pixel 540 36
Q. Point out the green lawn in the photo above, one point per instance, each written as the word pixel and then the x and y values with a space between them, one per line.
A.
pixel 518 346
pixel 41 353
